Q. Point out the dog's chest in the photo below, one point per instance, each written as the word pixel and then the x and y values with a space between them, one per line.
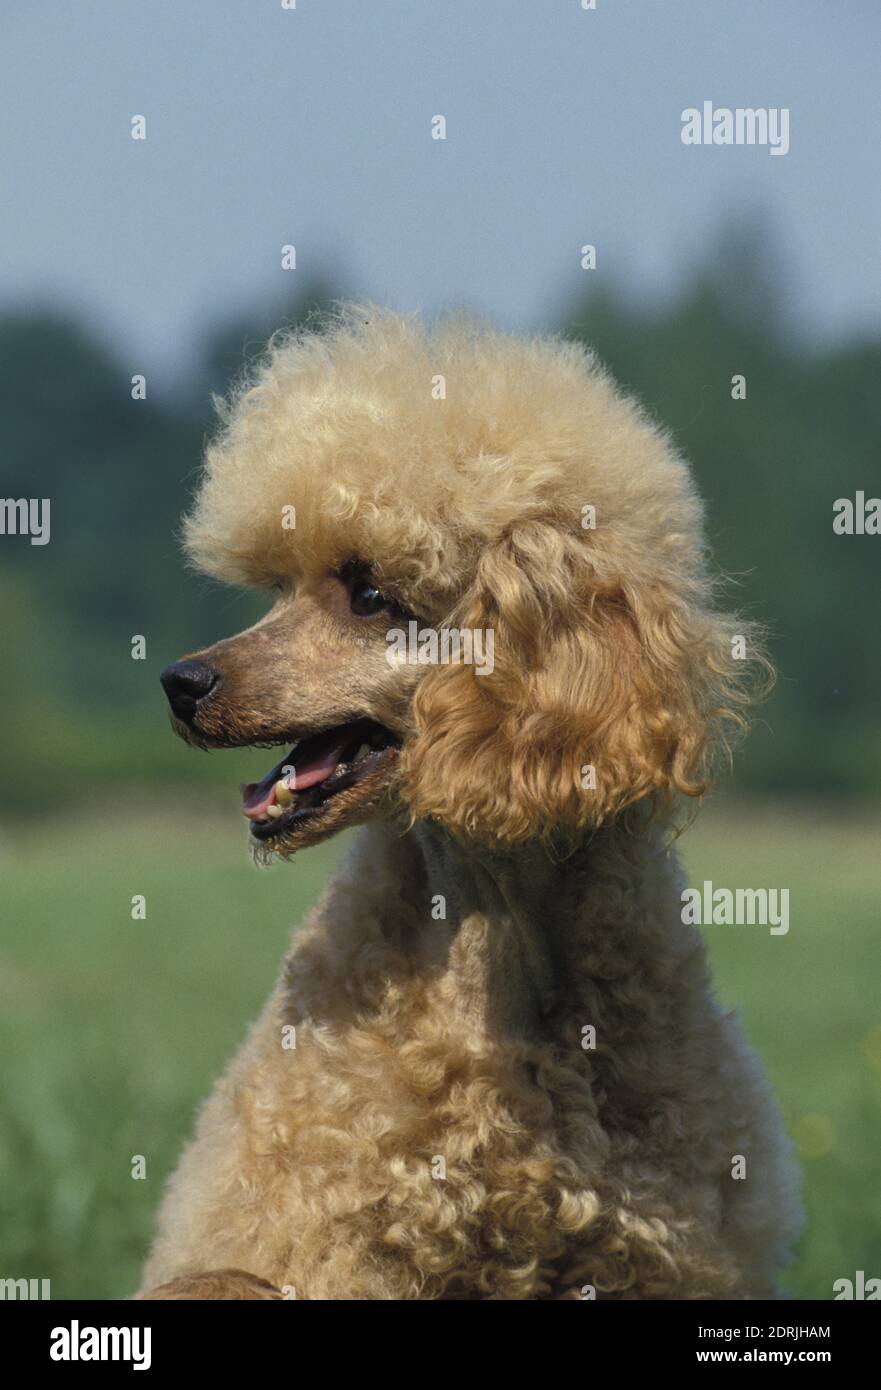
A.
pixel 411 1142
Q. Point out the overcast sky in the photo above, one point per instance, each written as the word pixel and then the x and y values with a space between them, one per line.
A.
pixel 313 127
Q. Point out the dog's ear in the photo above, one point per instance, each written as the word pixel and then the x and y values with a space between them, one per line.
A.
pixel 601 695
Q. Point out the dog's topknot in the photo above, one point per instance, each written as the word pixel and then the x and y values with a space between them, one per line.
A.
pixel 419 447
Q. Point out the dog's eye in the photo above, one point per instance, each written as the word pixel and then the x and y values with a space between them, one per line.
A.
pixel 366 599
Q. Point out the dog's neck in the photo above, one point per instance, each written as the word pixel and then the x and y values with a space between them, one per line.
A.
pixel 509 931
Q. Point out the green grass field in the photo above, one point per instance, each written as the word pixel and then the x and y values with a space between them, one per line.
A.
pixel 112 1029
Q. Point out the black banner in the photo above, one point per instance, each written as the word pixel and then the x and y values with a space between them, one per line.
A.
pixel 87 1338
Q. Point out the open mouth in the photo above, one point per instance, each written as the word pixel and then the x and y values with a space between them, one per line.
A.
pixel 318 769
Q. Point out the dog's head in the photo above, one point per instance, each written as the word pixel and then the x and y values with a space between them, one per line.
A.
pixel 491 607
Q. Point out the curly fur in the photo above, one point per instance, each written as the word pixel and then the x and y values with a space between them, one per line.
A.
pixel 461 1039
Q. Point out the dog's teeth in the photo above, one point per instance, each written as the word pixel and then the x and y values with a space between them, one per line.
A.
pixel 283 794
pixel 362 752
pixel 274 812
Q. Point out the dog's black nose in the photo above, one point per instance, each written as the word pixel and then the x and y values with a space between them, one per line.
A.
pixel 186 683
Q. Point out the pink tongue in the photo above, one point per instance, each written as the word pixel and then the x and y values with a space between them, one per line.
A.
pixel 316 768
pixel 311 766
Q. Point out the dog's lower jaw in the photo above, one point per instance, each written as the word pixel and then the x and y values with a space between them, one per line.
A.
pixel 510 1080
pixel 372 800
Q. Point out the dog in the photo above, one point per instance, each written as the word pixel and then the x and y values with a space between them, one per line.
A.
pixel 493 1066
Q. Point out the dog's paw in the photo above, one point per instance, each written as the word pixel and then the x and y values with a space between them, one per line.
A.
pixel 214 1284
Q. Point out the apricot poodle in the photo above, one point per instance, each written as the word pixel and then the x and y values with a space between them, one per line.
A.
pixel 493 1065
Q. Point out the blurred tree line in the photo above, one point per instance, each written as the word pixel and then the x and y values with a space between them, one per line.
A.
pixel 80 716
